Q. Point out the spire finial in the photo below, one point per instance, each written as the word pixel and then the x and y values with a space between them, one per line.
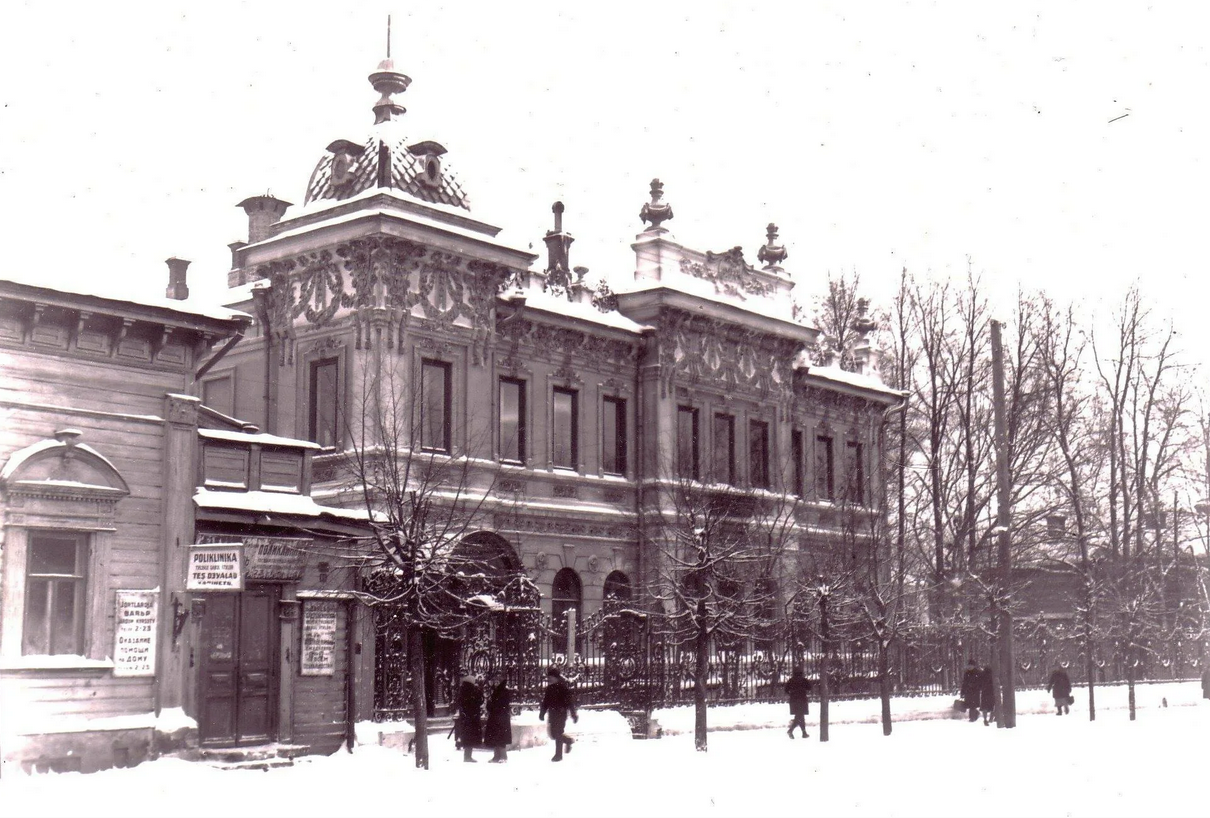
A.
pixel 387 81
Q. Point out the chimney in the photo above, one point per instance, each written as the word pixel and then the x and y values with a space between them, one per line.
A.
pixel 263 212
pixel 235 247
pixel 178 290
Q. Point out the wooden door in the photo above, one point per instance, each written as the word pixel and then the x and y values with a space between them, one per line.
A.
pixel 238 695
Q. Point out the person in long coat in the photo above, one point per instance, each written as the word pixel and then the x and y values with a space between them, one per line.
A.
pixel 470 717
pixel 559 703
pixel 970 689
pixel 987 694
pixel 797 688
pixel 1059 685
pixel 498 729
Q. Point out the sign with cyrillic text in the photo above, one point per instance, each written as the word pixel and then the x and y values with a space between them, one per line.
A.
pixel 134 633
pixel 319 638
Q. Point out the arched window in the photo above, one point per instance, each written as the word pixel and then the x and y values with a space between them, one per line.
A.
pixel 617 587
pixel 566 594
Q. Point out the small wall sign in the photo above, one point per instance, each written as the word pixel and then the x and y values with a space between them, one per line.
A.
pixel 319 638
pixel 135 633
pixel 216 567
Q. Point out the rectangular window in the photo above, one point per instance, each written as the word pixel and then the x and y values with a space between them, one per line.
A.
pixel 796 452
pixel 512 420
pixel 824 485
pixel 686 443
pixel 54 595
pixel 435 387
pixel 565 432
pixel 723 462
pixel 219 394
pixel 322 409
pixel 613 436
pixel 854 469
pixel 758 453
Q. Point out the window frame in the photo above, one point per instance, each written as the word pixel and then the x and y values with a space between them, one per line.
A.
pixel 797 454
pixel 759 432
pixel 613 407
pixel 723 475
pixel 522 419
pixel 313 403
pixel 855 488
pixel 573 433
pixel 693 472
pixel 825 478
pixel 447 425
pixel 78 583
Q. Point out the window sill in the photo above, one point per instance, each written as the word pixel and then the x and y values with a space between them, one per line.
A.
pixel 64 662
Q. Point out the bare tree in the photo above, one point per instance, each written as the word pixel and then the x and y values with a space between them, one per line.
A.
pixel 425 502
pixel 720 556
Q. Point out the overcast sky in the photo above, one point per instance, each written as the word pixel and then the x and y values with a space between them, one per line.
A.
pixel 1056 145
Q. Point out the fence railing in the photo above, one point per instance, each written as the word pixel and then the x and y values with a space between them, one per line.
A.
pixel 639 661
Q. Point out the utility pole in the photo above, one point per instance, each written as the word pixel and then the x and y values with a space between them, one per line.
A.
pixel 1006 715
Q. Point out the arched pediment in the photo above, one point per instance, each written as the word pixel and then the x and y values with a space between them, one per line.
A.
pixel 63 467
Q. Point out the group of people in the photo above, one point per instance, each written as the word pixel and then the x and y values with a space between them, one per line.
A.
pixel 496 731
pixel 978 692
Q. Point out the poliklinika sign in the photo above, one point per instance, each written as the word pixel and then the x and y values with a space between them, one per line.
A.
pixel 215 567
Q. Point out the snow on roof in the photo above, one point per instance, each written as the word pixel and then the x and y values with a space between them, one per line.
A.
pixel 397 213
pixel 257 437
pixel 102 287
pixel 838 375
pixel 268 502
pixel 539 299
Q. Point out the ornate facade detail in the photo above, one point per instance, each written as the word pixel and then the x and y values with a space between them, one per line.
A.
pixel 563 527
pixel 566 492
pixel 570 346
pixel 729 273
pixel 655 211
pixel 388 280
pixel 726 357
pixel 772 254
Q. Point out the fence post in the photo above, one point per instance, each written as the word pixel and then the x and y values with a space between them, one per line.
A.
pixel 571 636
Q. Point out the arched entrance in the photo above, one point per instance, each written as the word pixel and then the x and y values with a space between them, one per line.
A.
pixel 485 583
pixel 473 616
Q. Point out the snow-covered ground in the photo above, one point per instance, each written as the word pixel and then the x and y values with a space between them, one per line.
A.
pixel 931 765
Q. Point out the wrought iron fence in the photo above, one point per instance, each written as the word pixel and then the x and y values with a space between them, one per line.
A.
pixel 636 661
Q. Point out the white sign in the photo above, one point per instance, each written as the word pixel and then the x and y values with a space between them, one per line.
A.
pixel 134 633
pixel 216 567
pixel 319 638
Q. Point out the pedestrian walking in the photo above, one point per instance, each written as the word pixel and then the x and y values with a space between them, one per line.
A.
pixel 969 692
pixel 797 688
pixel 469 724
pixel 987 694
pixel 1059 685
pixel 498 729
pixel 559 703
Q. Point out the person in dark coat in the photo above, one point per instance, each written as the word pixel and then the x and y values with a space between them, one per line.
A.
pixel 498 729
pixel 1206 683
pixel 559 703
pixel 797 688
pixel 1059 685
pixel 470 717
pixel 970 689
pixel 987 694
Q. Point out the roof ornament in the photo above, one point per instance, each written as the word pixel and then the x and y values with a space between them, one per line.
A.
pixel 655 211
pixel 772 253
pixel 558 243
pixel 387 81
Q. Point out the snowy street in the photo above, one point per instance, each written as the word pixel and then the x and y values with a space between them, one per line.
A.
pixel 937 767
